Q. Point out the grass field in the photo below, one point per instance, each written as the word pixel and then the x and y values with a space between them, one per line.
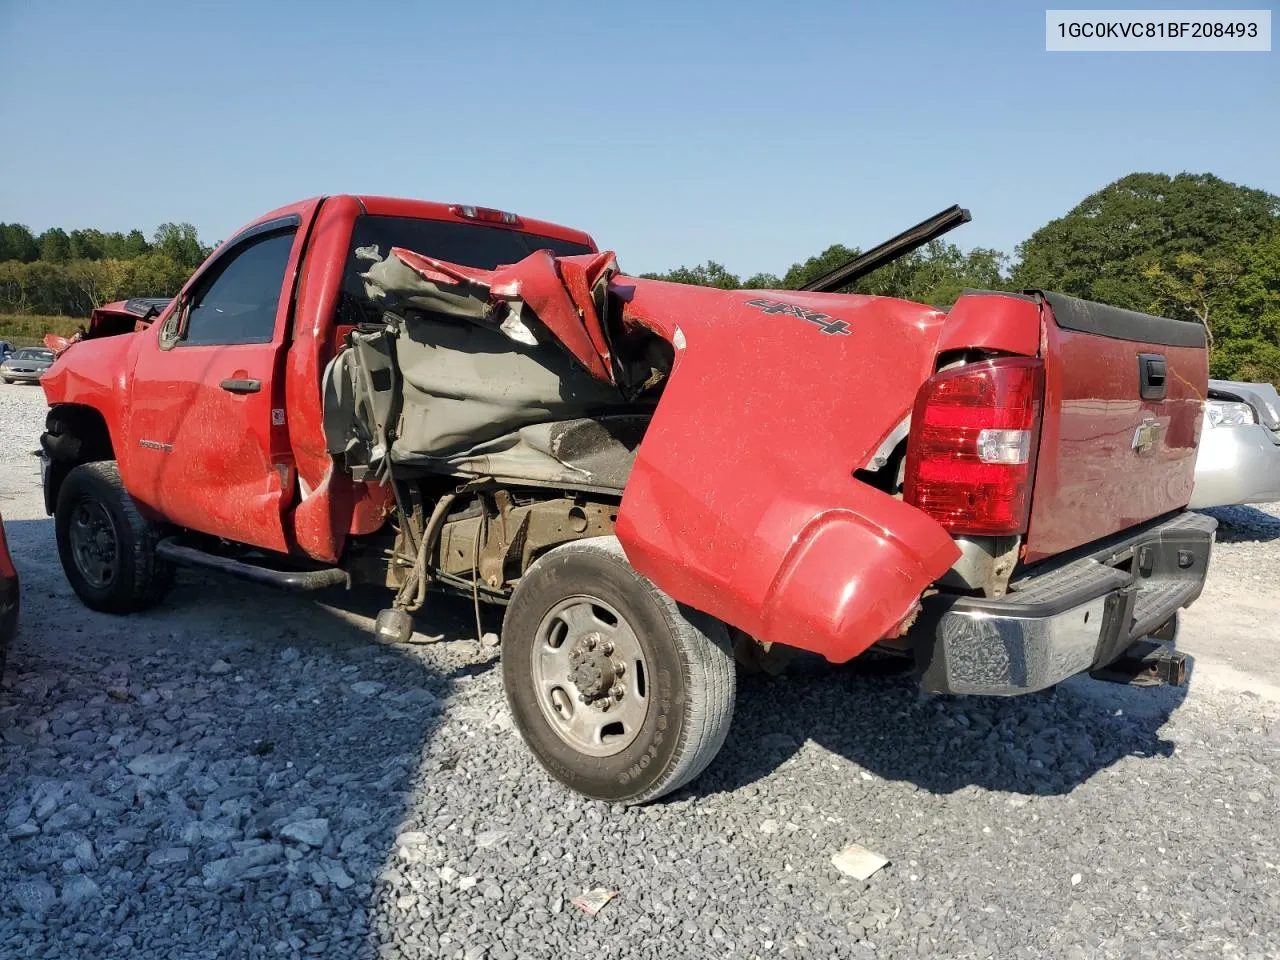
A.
pixel 28 330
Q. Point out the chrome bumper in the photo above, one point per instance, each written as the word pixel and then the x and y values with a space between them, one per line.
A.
pixel 1080 615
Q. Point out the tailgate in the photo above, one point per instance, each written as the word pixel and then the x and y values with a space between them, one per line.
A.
pixel 1123 400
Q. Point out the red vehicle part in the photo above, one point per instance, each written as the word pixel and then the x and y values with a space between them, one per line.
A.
pixel 971 459
pixel 742 501
pixel 781 540
pixel 1109 458
pixel 8 597
pixel 331 506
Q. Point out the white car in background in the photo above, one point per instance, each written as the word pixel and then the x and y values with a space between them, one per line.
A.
pixel 1239 457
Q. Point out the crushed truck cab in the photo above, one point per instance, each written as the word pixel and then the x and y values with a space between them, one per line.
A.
pixel 647 475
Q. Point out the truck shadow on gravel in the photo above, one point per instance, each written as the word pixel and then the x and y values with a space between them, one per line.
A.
pixel 228 770
pixel 1038 744
pixel 1243 524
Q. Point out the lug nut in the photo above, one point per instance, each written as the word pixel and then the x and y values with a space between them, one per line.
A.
pixel 617 691
pixel 582 698
pixel 619 669
pixel 607 649
pixel 605 704
pixel 590 643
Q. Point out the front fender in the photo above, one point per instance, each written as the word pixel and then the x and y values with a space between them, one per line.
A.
pixel 88 384
pixel 93 373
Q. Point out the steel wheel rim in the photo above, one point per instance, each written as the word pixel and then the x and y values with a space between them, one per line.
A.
pixel 95 547
pixel 568 664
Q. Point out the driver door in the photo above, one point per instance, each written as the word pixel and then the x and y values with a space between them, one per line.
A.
pixel 207 433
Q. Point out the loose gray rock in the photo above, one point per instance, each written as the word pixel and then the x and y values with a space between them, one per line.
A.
pixel 491 838
pixel 167 856
pixel 304 901
pixel 80 890
pixel 313 831
pixel 156 764
pixel 23 830
pixel 34 897
pixel 338 876
pixel 416 697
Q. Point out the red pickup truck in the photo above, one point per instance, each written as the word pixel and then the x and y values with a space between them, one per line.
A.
pixel 424 395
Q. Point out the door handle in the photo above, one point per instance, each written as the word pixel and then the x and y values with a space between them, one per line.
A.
pixel 1152 376
pixel 241 386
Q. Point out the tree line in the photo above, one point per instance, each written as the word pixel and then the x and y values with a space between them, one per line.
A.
pixel 61 272
pixel 1192 247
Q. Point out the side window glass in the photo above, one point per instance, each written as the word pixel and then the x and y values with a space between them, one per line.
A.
pixel 238 304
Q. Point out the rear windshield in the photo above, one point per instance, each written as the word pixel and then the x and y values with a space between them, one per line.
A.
pixel 468 244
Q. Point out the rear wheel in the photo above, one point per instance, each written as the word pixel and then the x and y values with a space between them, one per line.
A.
pixel 107 549
pixel 621 693
pixel 8 616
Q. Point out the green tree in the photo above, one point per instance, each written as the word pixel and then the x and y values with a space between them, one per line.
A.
pixel 709 274
pixel 55 245
pixel 1254 310
pixel 87 244
pixel 1104 247
pixel 1192 287
pixel 17 243
pixel 179 242
pixel 814 267
pixel 936 274
pixel 1251 361
pixel 134 245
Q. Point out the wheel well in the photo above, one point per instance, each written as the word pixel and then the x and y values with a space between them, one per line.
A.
pixel 73 435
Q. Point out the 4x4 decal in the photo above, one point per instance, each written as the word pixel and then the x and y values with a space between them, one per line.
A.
pixel 823 320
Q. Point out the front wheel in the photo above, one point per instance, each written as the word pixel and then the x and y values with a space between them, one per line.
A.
pixel 620 692
pixel 107 549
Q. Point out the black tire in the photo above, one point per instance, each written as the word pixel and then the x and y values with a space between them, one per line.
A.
pixel 138 579
pixel 9 604
pixel 691 682
pixel 7 380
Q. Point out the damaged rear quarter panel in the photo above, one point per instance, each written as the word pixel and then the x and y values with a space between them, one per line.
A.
pixel 742 501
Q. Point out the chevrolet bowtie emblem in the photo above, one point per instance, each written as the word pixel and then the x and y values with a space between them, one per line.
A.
pixel 1144 437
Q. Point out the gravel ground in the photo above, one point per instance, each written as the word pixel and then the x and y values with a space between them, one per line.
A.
pixel 243 774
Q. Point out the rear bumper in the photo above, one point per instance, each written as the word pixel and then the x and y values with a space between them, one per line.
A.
pixel 1237 465
pixel 1080 615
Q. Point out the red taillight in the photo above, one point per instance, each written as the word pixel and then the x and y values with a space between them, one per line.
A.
pixel 971 456
pixel 485 214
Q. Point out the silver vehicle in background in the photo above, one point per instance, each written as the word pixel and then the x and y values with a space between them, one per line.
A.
pixel 1239 457
pixel 26 364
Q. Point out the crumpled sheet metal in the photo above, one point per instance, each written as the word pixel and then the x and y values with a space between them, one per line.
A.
pixel 562 293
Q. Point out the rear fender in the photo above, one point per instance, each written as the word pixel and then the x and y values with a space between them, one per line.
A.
pixel 742 501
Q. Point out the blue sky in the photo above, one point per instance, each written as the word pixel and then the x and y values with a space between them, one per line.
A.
pixel 751 133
